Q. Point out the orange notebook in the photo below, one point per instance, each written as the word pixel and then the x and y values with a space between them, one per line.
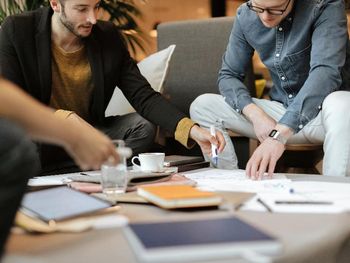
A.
pixel 178 196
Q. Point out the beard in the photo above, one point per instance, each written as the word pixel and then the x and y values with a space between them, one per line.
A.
pixel 70 25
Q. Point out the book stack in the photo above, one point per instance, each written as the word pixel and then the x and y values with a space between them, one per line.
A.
pixel 185 163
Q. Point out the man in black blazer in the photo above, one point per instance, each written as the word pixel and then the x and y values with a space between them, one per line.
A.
pixel 67 59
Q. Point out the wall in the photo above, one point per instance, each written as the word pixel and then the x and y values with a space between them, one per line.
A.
pixel 157 11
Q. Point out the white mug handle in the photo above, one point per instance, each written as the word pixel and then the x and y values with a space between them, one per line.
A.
pixel 133 161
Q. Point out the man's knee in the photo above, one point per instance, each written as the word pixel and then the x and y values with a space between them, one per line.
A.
pixel 143 135
pixel 147 128
pixel 338 101
pixel 201 103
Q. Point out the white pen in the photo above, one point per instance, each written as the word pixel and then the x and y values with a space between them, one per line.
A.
pixel 214 150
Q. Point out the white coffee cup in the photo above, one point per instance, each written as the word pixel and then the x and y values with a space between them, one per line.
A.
pixel 151 162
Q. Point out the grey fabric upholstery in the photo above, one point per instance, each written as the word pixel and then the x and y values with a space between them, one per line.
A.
pixel 194 67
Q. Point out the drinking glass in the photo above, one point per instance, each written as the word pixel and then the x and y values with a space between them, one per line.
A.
pixel 114 177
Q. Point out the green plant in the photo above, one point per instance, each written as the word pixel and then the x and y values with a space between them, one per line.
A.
pixel 121 12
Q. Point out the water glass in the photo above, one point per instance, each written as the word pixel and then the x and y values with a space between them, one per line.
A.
pixel 114 177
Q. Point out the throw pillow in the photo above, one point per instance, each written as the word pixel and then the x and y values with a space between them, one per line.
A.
pixel 154 68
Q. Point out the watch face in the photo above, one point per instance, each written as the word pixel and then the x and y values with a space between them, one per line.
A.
pixel 276 135
pixel 273 133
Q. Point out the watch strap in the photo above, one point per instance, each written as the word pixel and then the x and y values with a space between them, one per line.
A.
pixel 276 135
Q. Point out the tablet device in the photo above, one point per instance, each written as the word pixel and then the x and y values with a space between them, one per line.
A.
pixel 60 203
pixel 197 240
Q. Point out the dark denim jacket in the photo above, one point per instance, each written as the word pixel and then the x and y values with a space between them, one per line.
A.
pixel 304 54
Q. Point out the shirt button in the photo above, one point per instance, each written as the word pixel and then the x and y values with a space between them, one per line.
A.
pixel 237 110
pixel 283 78
pixel 277 55
pixel 319 107
pixel 301 126
pixel 290 96
pixel 280 29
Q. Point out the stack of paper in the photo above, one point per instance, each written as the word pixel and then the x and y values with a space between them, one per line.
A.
pixel 235 180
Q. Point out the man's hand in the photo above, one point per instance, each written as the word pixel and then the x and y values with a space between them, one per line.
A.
pixel 89 147
pixel 264 159
pixel 263 124
pixel 205 139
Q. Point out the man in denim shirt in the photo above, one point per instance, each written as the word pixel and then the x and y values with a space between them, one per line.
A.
pixel 303 44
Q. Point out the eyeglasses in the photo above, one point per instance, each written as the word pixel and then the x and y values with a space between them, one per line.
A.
pixel 271 11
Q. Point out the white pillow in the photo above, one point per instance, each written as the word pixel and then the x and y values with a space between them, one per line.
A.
pixel 154 68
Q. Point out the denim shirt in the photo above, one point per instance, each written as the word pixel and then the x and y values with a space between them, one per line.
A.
pixel 304 54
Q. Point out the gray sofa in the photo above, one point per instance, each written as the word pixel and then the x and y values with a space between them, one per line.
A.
pixel 194 67
pixel 196 61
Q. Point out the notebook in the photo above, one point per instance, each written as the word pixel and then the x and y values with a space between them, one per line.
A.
pixel 60 203
pixel 198 240
pixel 174 160
pixel 134 177
pixel 178 196
pixel 192 166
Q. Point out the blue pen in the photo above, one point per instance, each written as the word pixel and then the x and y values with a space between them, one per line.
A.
pixel 214 150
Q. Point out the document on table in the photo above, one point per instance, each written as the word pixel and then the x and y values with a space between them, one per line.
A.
pixel 213 179
pixel 278 194
pixel 306 197
pixel 50 180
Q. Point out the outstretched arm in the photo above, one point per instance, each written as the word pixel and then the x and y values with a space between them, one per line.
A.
pixel 88 147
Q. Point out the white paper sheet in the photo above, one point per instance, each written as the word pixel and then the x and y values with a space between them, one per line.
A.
pixel 338 194
pixel 212 179
pixel 50 180
pixel 277 189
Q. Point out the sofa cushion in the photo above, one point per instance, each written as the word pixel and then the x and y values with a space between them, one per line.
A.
pixel 154 68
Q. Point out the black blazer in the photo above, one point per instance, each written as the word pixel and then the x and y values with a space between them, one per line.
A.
pixel 25 59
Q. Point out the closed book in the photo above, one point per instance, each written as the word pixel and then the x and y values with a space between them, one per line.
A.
pixel 175 160
pixel 135 178
pixel 178 196
pixel 200 240
pixel 192 166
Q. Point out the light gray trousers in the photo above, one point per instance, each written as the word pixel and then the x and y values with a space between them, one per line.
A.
pixel 330 127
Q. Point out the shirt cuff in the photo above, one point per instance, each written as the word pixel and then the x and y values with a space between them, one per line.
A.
pixel 182 132
pixel 63 114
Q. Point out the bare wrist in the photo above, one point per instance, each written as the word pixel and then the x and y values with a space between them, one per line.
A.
pixel 253 112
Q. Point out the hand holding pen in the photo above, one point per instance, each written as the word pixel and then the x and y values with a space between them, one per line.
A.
pixel 205 140
pixel 214 149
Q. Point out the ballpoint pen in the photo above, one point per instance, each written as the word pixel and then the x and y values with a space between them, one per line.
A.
pixel 214 150
pixel 267 207
pixel 302 202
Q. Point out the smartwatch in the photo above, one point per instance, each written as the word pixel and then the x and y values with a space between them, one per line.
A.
pixel 276 135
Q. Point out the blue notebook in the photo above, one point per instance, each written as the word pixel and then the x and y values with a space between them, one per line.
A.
pixel 198 240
